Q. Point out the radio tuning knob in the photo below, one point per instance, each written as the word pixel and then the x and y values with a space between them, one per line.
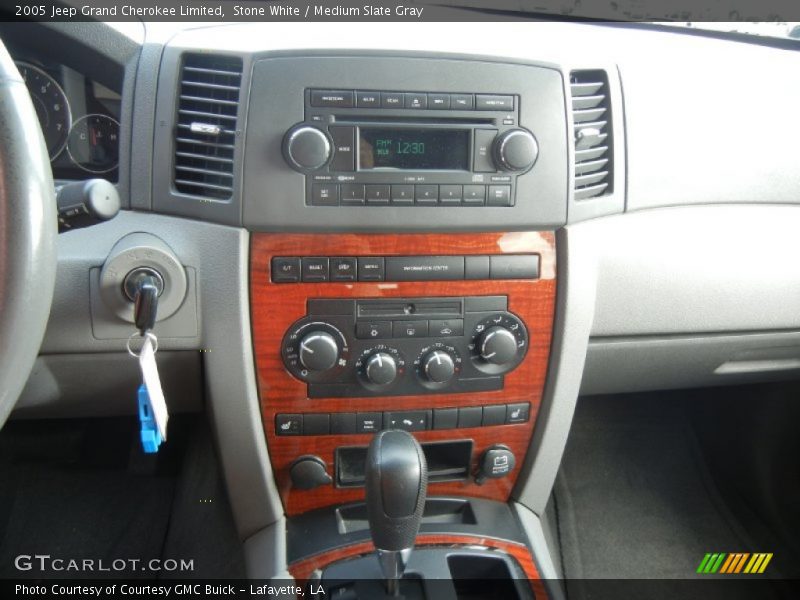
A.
pixel 306 148
pixel 498 346
pixel 318 351
pixel 438 366
pixel 515 150
pixel 381 369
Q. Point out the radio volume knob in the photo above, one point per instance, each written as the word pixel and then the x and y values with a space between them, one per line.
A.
pixel 318 351
pixel 515 150
pixel 306 148
pixel 498 346
pixel 381 369
pixel 438 366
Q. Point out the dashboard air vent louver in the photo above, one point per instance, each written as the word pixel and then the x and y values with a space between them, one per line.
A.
pixel 205 136
pixel 591 112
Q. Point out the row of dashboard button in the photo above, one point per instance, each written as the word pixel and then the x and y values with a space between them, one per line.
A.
pixel 378 330
pixel 409 420
pixel 354 194
pixel 410 100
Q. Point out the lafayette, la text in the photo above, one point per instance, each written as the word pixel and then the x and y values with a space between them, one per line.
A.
pixel 201 10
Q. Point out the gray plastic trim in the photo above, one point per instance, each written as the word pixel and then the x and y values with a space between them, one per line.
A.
pixel 542 552
pixel 575 300
pixel 265 554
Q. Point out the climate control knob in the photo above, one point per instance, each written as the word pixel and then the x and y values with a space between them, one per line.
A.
pixel 515 150
pixel 497 345
pixel 318 351
pixel 381 369
pixel 438 366
pixel 306 148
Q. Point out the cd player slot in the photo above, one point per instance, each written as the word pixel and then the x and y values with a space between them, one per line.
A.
pixel 443 308
pixel 410 120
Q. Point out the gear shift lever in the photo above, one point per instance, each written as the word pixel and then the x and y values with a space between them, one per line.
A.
pixel 397 481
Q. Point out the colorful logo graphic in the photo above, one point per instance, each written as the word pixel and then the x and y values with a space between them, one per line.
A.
pixel 734 563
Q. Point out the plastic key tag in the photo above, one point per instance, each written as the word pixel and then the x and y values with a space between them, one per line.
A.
pixel 152 383
pixel 150 436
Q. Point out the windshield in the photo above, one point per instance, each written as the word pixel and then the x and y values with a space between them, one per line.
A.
pixel 775 29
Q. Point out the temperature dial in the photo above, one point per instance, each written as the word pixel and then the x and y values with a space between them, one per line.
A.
pixel 437 365
pixel 380 366
pixel 498 343
pixel 315 351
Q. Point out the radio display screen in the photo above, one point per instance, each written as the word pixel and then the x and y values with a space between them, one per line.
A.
pixel 413 148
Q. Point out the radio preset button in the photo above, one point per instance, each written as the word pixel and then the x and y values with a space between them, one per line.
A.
pixel 426 194
pixel 352 194
pixel 474 195
pixel 325 194
pixel 403 194
pixel 416 100
pixel 337 98
pixel 450 194
pixel 462 101
pixel 391 100
pixel 378 194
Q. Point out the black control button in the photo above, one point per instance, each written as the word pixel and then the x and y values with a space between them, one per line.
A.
pixel 409 329
pixel 369 422
pixel 450 194
pixel 378 194
pixel 410 420
pixel 288 424
pixel 315 269
pixel 415 100
pixel 343 269
pixel 368 99
pixel 494 415
pixel 424 268
pixel 476 267
pixel 403 194
pixel 316 424
pixel 337 98
pixel 439 101
pixel 371 268
pixel 474 195
pixel 374 330
pixel 482 153
pixel 426 194
pixel 324 194
pixel 518 413
pixel 446 327
pixel 499 195
pixel 445 418
pixel 515 266
pixel 343 148
pixel 494 102
pixel 343 423
pixel 391 100
pixel 352 194
pixel 470 416
pixel 462 101
pixel 285 269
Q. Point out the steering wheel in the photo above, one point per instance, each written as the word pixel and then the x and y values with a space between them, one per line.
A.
pixel 28 230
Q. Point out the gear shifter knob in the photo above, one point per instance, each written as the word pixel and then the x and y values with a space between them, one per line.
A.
pixel 396 484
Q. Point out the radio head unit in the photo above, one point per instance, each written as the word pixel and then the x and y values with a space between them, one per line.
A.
pixel 384 148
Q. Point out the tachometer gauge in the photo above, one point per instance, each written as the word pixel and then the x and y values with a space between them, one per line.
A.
pixel 51 106
pixel 93 143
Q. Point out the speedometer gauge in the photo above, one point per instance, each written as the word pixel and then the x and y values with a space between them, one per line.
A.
pixel 93 143
pixel 51 106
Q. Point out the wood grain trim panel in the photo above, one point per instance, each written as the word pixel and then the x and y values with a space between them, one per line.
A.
pixel 275 306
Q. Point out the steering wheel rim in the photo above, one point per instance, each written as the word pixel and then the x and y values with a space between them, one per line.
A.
pixel 28 230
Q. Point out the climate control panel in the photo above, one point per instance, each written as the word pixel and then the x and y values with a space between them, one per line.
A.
pixel 404 346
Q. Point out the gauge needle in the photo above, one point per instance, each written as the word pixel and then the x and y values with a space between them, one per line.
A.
pixel 94 137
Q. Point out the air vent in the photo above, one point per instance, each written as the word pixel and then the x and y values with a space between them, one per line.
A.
pixel 591 113
pixel 205 136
